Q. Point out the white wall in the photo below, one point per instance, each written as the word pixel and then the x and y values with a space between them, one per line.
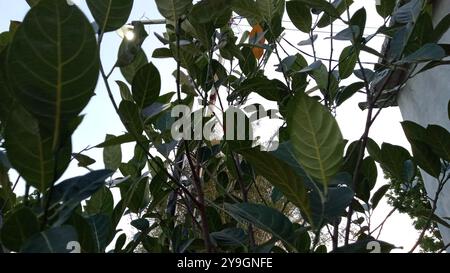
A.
pixel 424 100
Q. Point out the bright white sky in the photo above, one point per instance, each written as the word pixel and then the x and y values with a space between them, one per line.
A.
pixel 101 118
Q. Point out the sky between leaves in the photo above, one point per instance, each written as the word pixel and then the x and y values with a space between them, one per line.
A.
pixel 101 118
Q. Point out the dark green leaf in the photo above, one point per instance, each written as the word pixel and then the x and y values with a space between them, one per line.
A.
pixel 441 28
pixel 101 202
pixel 378 195
pixel 248 64
pixel 131 117
pixel 55 240
pixel 265 218
pixel 74 190
pixel 110 14
pixel 130 70
pixel 101 230
pixel 423 154
pixel 30 153
pixel 341 6
pixel 348 92
pixel 19 226
pixel 53 64
pixel 385 8
pixel 439 140
pixel 347 61
pixel 162 53
pixel 230 237
pixel 300 15
pixel 173 9
pixel 83 160
pixel 428 52
pixel 280 175
pixel 146 85
pixel 393 158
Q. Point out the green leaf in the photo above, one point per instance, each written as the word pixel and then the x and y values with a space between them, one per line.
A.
pixel 270 8
pixel 316 138
pixel 125 138
pixel 247 9
pixel 322 5
pixel 136 194
pixel 140 224
pixel 409 12
pixel 216 13
pixel 74 190
pixel 441 28
pixel 341 6
pixel 130 70
pixel 19 226
pixel 31 153
pixel 101 230
pixel 110 14
pixel 112 155
pixel 131 117
pixel 162 53
pixel 125 92
pixel 55 240
pixel 428 52
pixel 146 85
pixel 230 237
pixel 421 149
pixel 393 158
pixel 280 175
pixel 347 61
pixel 265 218
pixel 385 8
pixel 378 195
pixel 439 140
pixel 327 209
pixel 53 65
pixel 101 202
pixel 348 92
pixel 368 180
pixel 248 64
pixel 129 50
pixel 84 231
pixel 300 15
pixel 173 9
pixel 32 3
pixel 268 89
pixel 83 160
